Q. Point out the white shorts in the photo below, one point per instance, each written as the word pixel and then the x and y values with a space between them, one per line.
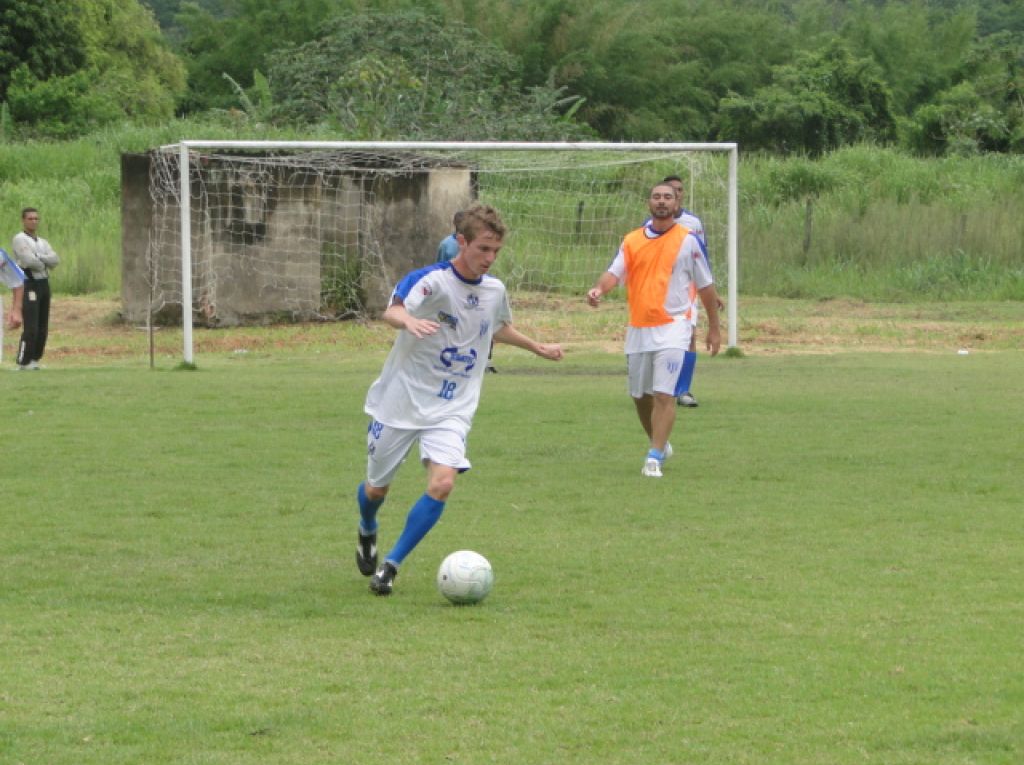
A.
pixel 654 371
pixel 387 448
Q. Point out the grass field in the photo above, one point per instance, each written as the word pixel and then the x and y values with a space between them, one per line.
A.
pixel 831 571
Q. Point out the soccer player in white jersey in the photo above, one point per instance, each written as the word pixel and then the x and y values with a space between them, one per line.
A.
pixel 446 315
pixel 12 276
pixel 658 263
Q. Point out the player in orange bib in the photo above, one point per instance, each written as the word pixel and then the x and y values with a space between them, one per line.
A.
pixel 658 263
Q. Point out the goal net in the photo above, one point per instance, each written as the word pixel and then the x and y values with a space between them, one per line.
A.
pixel 269 231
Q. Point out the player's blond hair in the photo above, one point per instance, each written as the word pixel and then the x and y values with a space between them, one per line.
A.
pixel 478 217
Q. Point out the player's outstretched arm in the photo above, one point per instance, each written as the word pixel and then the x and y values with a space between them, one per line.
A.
pixel 398 317
pixel 605 284
pixel 511 336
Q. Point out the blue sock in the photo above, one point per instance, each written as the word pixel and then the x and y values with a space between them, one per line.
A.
pixel 686 374
pixel 659 456
pixel 421 519
pixel 367 510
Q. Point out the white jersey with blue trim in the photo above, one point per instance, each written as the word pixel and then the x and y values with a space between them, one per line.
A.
pixel 689 220
pixel 11 274
pixel 434 381
pixel 689 275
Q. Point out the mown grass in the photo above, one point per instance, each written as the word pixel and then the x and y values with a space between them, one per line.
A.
pixel 830 572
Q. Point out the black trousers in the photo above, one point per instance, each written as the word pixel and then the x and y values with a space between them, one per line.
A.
pixel 35 312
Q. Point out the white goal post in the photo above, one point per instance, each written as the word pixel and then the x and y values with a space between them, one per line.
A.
pixel 241 202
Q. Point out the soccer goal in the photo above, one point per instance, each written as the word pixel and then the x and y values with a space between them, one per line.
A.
pixel 258 231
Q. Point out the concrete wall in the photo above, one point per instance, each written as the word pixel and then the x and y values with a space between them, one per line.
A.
pixel 410 216
pixel 136 221
pixel 262 249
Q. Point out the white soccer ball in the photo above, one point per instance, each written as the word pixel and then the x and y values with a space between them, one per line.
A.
pixel 465 577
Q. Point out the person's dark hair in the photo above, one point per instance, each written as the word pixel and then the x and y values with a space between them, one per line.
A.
pixel 28 210
pixel 478 217
pixel 457 219
pixel 669 178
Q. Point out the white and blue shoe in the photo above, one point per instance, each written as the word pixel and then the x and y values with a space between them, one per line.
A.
pixel 652 468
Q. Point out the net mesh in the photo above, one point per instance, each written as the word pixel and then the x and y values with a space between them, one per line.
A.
pixel 325 234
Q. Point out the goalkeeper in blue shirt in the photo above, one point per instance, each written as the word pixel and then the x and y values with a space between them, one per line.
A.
pixel 449 246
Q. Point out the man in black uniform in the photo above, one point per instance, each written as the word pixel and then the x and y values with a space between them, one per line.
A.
pixel 36 258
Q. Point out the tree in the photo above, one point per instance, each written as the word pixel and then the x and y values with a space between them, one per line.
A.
pixel 653 70
pixel 959 122
pixel 240 40
pixel 166 11
pixel 821 102
pixel 124 70
pixel 917 48
pixel 42 36
pixel 408 75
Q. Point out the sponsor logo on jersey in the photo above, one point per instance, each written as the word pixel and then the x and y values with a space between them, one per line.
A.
pixel 452 357
pixel 447 319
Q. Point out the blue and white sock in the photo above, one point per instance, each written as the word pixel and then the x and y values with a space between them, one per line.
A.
pixel 422 516
pixel 367 511
pixel 685 379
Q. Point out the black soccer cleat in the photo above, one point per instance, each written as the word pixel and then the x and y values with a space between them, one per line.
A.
pixel 384 580
pixel 366 554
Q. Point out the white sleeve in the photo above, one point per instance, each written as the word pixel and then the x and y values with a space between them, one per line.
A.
pixel 693 251
pixel 48 256
pixel 618 266
pixel 10 274
pixel 24 255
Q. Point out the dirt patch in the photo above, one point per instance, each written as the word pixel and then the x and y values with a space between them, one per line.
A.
pixel 90 328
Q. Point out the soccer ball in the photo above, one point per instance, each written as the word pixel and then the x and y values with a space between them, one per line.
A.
pixel 465 577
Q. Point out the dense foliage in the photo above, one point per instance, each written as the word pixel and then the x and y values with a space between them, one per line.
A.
pixel 77 66
pixel 406 74
pixel 802 76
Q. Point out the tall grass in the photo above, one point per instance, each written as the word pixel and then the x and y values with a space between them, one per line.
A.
pixel 863 222
pixel 884 226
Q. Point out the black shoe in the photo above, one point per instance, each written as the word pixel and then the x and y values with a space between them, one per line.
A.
pixel 366 554
pixel 384 579
pixel 492 369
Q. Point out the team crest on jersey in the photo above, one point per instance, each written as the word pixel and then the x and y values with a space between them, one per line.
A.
pixel 452 357
pixel 472 300
pixel 427 292
pixel 447 319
